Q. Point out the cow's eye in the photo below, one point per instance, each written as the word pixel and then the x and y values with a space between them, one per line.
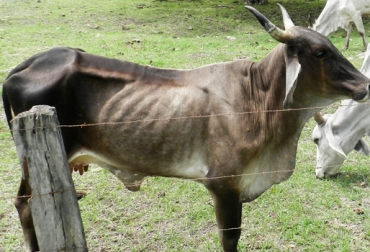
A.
pixel 316 140
pixel 320 54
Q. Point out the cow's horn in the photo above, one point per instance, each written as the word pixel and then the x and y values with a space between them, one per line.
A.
pixel 318 118
pixel 288 23
pixel 275 32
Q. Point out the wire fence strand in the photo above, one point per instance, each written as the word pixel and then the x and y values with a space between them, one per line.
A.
pixel 193 117
pixel 179 118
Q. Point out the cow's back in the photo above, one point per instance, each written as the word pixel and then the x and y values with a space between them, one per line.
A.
pixel 40 80
pixel 124 98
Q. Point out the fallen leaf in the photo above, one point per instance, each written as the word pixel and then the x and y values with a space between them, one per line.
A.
pixel 93 26
pixel 358 211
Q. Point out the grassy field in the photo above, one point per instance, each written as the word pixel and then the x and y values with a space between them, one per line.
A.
pixel 301 214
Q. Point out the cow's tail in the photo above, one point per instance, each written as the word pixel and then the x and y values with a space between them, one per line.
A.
pixel 7 107
pixel 5 97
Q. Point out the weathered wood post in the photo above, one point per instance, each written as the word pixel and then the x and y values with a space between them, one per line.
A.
pixel 53 203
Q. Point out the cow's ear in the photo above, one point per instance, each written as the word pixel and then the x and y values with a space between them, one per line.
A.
pixel 333 143
pixel 292 70
pixel 362 147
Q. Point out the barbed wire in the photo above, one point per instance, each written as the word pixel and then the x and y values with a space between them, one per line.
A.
pixel 195 117
pixel 139 184
pixel 172 118
pixel 191 117
pixel 136 184
pixel 181 118
pixel 185 179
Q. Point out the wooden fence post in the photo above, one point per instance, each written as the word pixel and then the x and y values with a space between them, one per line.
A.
pixel 54 206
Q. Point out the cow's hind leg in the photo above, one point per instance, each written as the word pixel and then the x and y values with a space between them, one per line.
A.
pixel 25 216
pixel 357 19
pixel 348 29
pixel 228 212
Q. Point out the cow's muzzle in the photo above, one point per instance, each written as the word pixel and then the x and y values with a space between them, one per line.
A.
pixel 361 94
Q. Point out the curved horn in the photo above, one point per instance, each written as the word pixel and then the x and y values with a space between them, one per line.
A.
pixel 288 23
pixel 318 118
pixel 275 32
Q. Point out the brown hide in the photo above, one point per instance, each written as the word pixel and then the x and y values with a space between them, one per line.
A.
pixel 225 119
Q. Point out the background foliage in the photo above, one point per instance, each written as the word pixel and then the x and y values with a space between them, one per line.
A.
pixel 301 214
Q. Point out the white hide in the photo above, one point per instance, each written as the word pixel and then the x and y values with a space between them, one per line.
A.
pixel 365 69
pixel 342 132
pixel 340 14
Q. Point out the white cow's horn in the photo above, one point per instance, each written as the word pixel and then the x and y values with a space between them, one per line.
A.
pixel 318 118
pixel 275 32
pixel 288 23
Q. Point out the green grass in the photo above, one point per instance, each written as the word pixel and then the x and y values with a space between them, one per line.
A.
pixel 301 214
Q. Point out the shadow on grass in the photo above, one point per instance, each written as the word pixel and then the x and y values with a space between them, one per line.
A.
pixel 350 179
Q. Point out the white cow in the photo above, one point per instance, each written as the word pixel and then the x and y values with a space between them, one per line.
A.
pixel 342 13
pixel 338 134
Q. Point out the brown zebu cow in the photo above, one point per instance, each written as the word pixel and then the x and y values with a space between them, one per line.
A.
pixel 225 145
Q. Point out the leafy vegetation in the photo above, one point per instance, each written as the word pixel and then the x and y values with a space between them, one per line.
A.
pixel 301 214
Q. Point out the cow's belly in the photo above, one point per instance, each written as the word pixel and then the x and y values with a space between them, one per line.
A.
pixel 131 174
pixel 144 139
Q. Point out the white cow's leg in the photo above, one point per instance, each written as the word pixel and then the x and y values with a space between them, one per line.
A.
pixel 360 28
pixel 363 41
pixel 348 29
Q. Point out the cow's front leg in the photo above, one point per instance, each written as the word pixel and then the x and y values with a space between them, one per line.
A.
pixel 25 216
pixel 228 212
pixel 348 29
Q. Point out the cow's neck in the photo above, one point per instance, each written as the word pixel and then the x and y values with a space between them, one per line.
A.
pixel 278 132
pixel 266 87
pixel 351 117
